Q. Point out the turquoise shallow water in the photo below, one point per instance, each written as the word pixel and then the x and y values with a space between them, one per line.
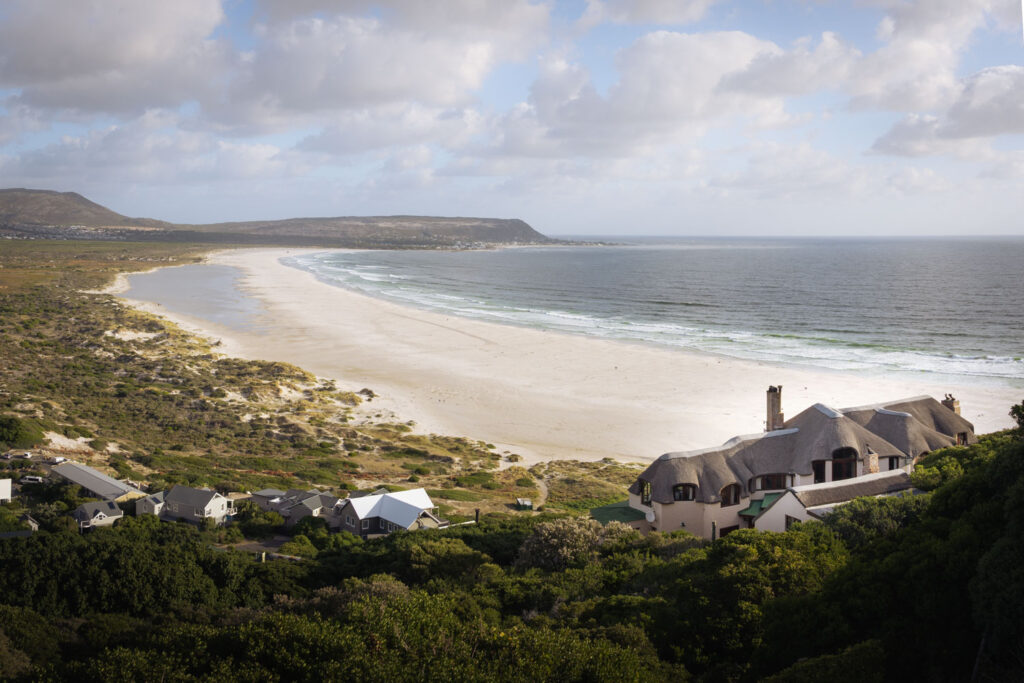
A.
pixel 953 308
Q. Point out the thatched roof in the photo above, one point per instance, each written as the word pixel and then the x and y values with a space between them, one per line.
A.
pixel 908 427
pixel 830 493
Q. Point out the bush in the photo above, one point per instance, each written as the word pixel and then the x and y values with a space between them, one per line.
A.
pixel 568 542
pixel 18 433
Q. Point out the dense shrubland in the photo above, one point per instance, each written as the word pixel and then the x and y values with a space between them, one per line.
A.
pixel 913 588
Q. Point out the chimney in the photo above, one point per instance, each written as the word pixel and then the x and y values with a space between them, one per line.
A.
pixel 870 461
pixel 775 416
pixel 951 403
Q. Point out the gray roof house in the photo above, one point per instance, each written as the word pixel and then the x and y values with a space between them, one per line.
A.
pixel 296 504
pixel 714 491
pixel 101 513
pixel 96 483
pixel 150 505
pixel 194 505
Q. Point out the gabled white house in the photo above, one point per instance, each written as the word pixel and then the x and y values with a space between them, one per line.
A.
pixel 383 513
pixel 714 491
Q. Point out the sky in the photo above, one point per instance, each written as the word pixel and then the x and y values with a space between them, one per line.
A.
pixel 581 117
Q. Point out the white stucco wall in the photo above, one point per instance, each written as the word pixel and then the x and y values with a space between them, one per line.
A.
pixel 774 518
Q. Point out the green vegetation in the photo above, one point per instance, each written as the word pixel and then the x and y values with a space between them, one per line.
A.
pixel 18 433
pixel 909 588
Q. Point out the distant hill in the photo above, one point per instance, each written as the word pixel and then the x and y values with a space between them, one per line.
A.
pixel 19 206
pixel 45 214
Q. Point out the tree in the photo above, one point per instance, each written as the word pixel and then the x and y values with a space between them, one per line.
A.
pixel 1017 413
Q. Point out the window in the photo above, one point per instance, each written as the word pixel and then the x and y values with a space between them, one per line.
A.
pixel 366 524
pixel 348 520
pixel 728 530
pixel 730 495
pixel 894 462
pixel 819 471
pixel 790 521
pixel 844 463
pixel 684 492
pixel 645 492
pixel 770 482
pixel 961 438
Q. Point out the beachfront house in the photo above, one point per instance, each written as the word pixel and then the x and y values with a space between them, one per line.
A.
pixel 97 514
pixel 382 513
pixel 95 483
pixel 714 491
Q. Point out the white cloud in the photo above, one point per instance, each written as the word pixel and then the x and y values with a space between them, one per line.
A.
pixel 668 12
pixel 311 59
pixel 799 71
pixel 916 68
pixel 354 132
pixel 150 149
pixel 110 55
pixel 668 91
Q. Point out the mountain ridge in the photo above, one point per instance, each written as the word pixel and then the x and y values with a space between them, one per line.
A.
pixel 49 214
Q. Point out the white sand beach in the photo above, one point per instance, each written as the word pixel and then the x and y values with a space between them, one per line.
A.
pixel 541 394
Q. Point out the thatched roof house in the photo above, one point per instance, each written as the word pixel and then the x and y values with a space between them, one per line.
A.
pixel 817 446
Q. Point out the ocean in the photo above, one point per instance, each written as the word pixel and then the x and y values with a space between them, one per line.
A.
pixel 931 308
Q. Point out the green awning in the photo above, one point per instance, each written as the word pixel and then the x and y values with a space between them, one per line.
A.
pixel 616 512
pixel 757 506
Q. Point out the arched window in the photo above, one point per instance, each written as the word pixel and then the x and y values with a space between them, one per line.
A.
pixel 684 492
pixel 645 492
pixel 731 495
pixel 844 463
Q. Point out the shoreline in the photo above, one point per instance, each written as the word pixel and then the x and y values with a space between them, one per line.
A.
pixel 542 394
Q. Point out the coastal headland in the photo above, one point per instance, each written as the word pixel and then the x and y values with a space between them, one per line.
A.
pixel 541 394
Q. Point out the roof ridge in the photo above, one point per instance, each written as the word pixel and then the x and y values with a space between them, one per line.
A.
pixel 882 404
pixel 734 441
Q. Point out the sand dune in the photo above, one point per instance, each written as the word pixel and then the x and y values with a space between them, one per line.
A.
pixel 541 394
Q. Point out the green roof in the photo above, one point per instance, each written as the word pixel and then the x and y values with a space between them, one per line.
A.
pixel 616 512
pixel 756 507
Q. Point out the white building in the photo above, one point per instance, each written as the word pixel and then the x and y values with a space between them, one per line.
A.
pixel 383 513
pixel 5 490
